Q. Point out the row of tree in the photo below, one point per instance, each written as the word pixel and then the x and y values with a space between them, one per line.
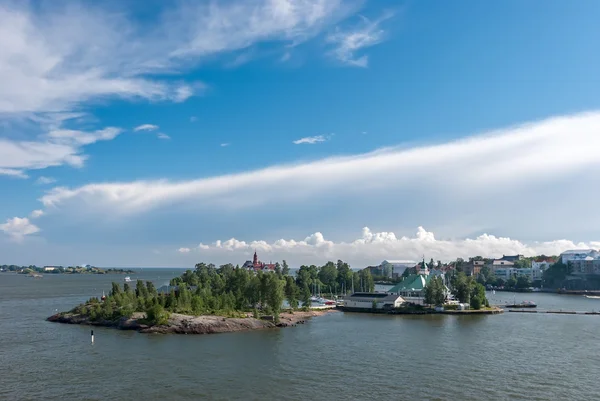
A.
pixel 228 290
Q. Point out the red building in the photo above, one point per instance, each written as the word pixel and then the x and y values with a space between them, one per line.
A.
pixel 257 265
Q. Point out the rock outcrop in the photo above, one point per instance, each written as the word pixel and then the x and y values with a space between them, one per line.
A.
pixel 183 324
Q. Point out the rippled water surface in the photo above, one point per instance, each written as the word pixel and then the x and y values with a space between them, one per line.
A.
pixel 334 357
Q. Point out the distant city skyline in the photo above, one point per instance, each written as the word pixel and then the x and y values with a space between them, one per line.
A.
pixel 170 133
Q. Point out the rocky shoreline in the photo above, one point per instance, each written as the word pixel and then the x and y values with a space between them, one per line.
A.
pixel 184 324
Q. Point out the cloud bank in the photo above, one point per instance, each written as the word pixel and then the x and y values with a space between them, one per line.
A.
pixel 481 165
pixel 372 248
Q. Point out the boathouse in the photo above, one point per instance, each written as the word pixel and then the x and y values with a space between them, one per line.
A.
pixel 367 300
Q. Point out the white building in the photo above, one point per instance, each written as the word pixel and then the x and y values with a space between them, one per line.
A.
pixel 365 300
pixel 538 269
pixel 504 273
pixel 501 264
pixel 49 268
pixel 390 268
pixel 578 254
pixel 585 265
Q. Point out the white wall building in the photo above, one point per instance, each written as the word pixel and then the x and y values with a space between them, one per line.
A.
pixel 364 300
pixel 578 254
pixel 390 267
pixel 538 269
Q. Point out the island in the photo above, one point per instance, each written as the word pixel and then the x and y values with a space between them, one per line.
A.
pixel 36 271
pixel 206 300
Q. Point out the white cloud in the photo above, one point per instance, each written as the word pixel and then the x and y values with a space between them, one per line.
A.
pixel 56 58
pixel 224 145
pixel 57 147
pixel 371 248
pixel 146 127
pixel 36 213
pixel 349 42
pixel 286 56
pixel 311 140
pixel 161 135
pixel 42 180
pixel 56 61
pixel 478 167
pixel 13 173
pixel 183 250
pixel 17 228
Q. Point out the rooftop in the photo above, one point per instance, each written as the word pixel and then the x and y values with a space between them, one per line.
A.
pixel 399 262
pixel 373 296
pixel 412 282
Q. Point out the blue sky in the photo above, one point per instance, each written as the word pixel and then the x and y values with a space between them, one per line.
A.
pixel 289 126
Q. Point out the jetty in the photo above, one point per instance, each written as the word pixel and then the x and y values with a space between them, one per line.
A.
pixel 556 312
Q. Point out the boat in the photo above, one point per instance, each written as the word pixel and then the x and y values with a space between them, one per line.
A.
pixel 525 304
pixel 127 279
pixel 592 296
pixel 320 301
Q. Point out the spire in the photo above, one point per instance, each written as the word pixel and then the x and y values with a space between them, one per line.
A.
pixel 255 260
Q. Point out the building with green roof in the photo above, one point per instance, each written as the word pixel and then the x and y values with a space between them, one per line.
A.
pixel 412 288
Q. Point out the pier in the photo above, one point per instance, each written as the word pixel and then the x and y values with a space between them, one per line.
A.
pixel 556 312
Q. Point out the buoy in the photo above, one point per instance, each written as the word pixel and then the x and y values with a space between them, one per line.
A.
pixel 92 336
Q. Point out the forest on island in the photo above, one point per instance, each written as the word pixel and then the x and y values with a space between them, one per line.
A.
pixel 227 290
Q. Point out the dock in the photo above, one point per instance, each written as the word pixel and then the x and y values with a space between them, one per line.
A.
pixel 556 312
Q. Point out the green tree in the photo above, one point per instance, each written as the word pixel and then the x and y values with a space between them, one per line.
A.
pixel 344 276
pixel 461 287
pixel 140 289
pixel 275 294
pixel 367 283
pixel 435 291
pixel 478 298
pixel 523 282
pixel 116 289
pixel 306 302
pixel 511 282
pixel 151 289
pixel 291 292
pixel 156 315
pixel 285 269
pixel 328 275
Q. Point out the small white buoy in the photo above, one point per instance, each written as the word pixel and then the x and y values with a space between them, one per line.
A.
pixel 92 336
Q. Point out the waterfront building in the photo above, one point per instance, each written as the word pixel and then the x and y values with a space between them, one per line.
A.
pixel 50 268
pixel 504 273
pixel 512 258
pixel 366 300
pixel 395 268
pixel 257 265
pixel 538 268
pixel 578 254
pixel 473 268
pixel 501 264
pixel 585 265
pixel 412 288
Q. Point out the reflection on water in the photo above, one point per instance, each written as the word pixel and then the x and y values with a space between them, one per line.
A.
pixel 335 357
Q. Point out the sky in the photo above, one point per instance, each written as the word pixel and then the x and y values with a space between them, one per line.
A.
pixel 166 133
